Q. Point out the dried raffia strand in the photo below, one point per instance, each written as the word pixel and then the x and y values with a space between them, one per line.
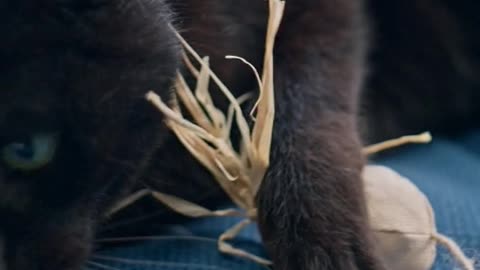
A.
pixel 195 72
pixel 225 247
pixel 455 250
pixel 257 76
pixel 203 96
pixel 425 137
pixel 179 205
pixel 231 111
pixel 190 209
pixel 185 95
pixel 131 199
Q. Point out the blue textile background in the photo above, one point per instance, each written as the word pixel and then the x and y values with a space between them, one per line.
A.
pixel 447 171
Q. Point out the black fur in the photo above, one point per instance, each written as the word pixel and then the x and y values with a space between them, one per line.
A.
pixel 82 68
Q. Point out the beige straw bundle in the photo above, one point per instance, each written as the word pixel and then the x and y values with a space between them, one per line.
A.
pixel 208 137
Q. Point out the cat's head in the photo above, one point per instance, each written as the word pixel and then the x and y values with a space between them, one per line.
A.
pixel 75 127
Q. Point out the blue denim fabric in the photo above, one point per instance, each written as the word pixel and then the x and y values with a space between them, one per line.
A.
pixel 447 171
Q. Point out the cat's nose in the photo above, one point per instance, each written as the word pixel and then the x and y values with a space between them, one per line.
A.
pixel 3 264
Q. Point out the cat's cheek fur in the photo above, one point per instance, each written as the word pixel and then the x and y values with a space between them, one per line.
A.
pixel 107 59
pixel 64 242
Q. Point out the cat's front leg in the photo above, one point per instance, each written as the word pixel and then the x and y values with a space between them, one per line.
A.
pixel 312 210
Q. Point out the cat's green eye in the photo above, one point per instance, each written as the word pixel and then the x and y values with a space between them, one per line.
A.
pixel 32 154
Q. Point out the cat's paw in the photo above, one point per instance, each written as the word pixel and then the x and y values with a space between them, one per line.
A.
pixel 326 256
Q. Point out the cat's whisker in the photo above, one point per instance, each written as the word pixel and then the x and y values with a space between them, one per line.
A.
pixel 150 238
pixel 128 221
pixel 101 265
pixel 155 263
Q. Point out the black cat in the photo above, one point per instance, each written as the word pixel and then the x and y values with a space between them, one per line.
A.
pixel 77 134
